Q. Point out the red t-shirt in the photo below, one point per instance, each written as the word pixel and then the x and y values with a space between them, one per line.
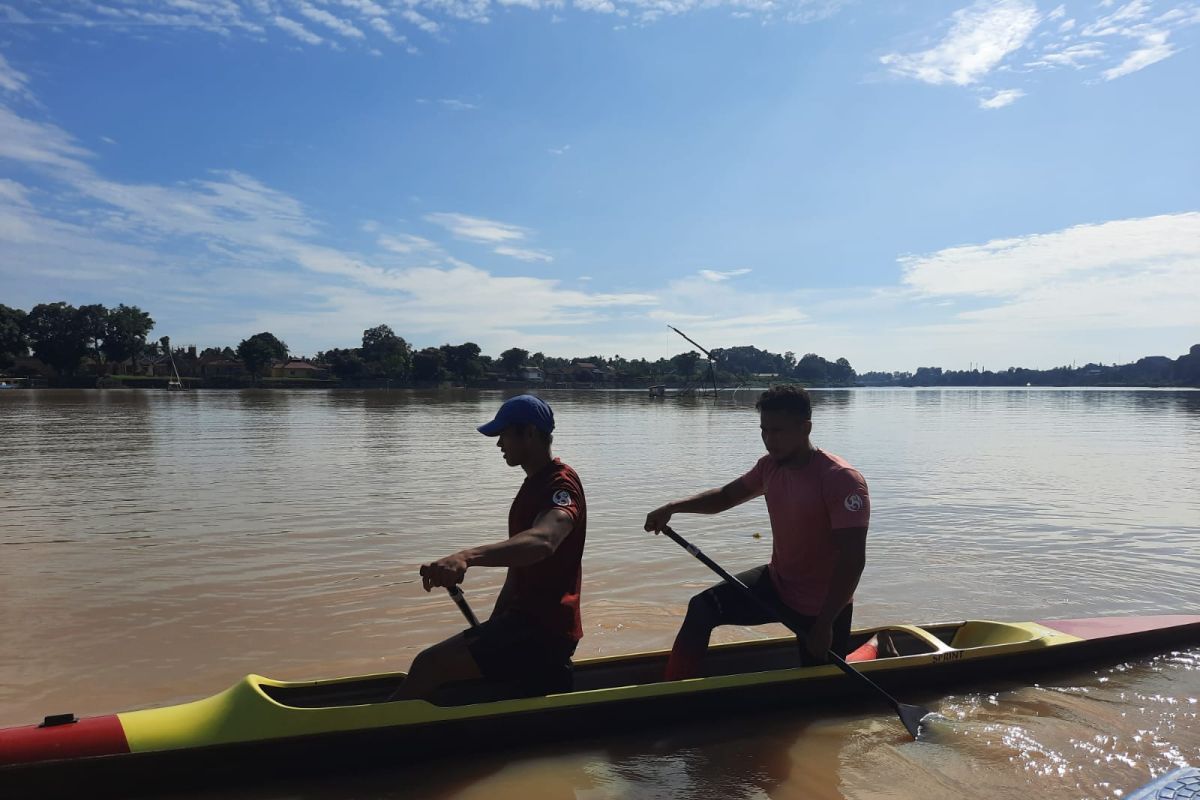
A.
pixel 548 591
pixel 807 505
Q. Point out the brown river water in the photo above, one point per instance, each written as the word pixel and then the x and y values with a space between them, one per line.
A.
pixel 156 547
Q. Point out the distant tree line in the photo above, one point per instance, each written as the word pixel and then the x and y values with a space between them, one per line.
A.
pixel 1148 371
pixel 66 337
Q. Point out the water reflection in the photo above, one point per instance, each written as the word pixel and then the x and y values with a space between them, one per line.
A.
pixel 156 546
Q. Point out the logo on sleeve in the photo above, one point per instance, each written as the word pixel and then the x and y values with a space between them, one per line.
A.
pixel 853 502
pixel 562 498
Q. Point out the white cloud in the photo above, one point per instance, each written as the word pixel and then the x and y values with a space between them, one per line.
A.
pixel 717 276
pixel 559 151
pixel 294 28
pixel 523 253
pixel 457 105
pixel 504 236
pixel 335 23
pixel 1076 56
pixel 985 36
pixel 183 234
pixel 1002 98
pixel 12 79
pixel 477 229
pixel 29 142
pixel 406 244
pixel 980 37
pixel 1154 48
pixel 1133 272
pixel 359 20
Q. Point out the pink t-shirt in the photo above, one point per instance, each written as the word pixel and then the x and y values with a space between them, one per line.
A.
pixel 806 506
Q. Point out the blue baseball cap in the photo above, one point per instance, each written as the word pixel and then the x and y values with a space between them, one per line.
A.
pixel 523 409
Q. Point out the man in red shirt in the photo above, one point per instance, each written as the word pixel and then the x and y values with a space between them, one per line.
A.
pixel 534 628
pixel 819 509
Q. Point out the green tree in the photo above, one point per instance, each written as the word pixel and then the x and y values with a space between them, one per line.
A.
pixel 91 321
pixel 513 359
pixel 55 335
pixel 346 364
pixel 13 343
pixel 125 331
pixel 538 359
pixel 685 363
pixel 259 350
pixel 812 369
pixel 430 365
pixel 462 360
pixel 385 353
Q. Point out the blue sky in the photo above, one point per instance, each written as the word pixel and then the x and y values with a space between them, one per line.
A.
pixel 1005 182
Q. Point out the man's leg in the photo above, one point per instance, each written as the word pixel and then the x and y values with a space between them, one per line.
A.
pixel 445 662
pixel 723 604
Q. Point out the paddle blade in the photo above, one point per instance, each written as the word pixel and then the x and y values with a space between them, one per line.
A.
pixel 911 716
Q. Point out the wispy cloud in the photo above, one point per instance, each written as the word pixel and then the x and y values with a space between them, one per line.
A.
pixel 716 276
pixel 297 30
pixel 358 21
pixel 988 35
pixel 980 37
pixel 1138 272
pixel 91 230
pixel 477 229
pixel 331 21
pixel 11 79
pixel 1002 98
pixel 503 237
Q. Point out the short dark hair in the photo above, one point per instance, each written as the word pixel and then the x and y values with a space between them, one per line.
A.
pixel 545 437
pixel 788 398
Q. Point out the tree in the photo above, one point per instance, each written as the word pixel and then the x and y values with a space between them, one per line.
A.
pixel 13 343
pixel 259 350
pixel 812 369
pixel 685 363
pixel 54 333
pixel 91 320
pixel 513 359
pixel 462 360
pixel 346 364
pixel 429 365
pixel 537 359
pixel 125 331
pixel 385 353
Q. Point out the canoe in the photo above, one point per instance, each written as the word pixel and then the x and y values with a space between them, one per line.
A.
pixel 263 727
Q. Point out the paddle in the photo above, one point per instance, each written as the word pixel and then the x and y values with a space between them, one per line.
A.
pixel 911 716
pixel 459 600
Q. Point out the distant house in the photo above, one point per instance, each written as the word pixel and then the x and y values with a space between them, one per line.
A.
pixel 532 374
pixel 297 368
pixel 223 368
pixel 586 371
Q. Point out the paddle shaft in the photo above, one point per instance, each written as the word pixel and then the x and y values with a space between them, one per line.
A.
pixel 782 617
pixel 456 594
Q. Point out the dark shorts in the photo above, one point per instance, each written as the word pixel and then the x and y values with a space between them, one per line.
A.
pixel 731 607
pixel 514 649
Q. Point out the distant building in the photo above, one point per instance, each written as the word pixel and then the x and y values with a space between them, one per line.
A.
pixel 534 374
pixel 297 368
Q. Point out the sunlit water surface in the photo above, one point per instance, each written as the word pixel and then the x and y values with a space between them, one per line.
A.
pixel 155 547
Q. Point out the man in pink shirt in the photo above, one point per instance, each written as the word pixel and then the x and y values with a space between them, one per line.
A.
pixel 819 509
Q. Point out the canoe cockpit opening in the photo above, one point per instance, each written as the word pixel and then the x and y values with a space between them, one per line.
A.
pixel 981 633
pixel 604 673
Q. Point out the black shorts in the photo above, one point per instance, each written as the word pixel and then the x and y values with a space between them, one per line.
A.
pixel 516 650
pixel 730 606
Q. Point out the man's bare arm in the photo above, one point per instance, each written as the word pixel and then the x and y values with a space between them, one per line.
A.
pixel 529 546
pixel 713 501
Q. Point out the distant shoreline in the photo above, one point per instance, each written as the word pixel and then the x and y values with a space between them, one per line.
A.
pixel 292 384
